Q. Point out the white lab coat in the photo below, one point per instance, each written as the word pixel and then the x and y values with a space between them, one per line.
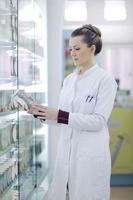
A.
pixel 83 158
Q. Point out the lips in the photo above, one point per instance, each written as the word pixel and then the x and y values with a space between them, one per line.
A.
pixel 75 59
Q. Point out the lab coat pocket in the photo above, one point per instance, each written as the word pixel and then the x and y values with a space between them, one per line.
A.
pixel 89 103
pixel 90 144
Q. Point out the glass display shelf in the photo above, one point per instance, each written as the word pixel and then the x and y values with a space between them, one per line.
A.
pixel 9 135
pixel 21 189
pixel 23 149
pixel 29 140
pixel 26 189
pixel 39 193
pixel 23 139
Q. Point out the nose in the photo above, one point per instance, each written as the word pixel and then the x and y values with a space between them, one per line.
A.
pixel 73 53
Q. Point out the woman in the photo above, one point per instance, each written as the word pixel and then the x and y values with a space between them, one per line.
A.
pixel 83 164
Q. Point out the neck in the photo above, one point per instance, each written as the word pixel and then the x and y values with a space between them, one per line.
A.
pixel 85 68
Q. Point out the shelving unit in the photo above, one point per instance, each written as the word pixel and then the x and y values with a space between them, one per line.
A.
pixel 23 139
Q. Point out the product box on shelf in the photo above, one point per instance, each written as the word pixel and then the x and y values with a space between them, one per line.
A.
pixel 5 98
pixel 5 137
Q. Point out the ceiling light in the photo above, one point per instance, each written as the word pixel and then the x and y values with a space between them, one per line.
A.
pixel 75 11
pixel 115 10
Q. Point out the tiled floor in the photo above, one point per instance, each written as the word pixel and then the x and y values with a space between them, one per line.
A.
pixel 122 193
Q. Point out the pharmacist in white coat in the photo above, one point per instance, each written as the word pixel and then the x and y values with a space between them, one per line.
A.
pixel 83 166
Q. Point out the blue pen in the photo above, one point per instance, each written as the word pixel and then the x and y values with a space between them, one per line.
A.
pixel 87 98
pixel 91 99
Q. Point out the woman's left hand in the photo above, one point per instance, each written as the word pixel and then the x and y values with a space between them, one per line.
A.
pixel 43 112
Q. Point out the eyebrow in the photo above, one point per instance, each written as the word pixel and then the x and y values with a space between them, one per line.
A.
pixel 74 46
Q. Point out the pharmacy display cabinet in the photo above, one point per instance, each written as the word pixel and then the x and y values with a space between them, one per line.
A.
pixel 23 139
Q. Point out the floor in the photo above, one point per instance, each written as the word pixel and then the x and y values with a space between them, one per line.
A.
pixel 122 193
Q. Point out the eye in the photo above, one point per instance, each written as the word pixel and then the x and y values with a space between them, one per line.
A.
pixel 70 49
pixel 77 49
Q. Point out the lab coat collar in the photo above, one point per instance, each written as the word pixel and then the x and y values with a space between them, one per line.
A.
pixel 87 72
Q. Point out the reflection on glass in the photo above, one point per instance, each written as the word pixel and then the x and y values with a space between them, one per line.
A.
pixel 23 140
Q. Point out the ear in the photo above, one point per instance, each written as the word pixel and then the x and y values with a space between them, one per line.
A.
pixel 93 49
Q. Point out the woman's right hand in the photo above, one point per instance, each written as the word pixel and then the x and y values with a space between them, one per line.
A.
pixel 43 112
pixel 37 110
pixel 33 110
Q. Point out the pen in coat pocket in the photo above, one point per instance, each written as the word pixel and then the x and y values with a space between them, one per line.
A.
pixel 89 97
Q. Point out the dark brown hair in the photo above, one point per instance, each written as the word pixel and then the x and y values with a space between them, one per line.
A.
pixel 91 36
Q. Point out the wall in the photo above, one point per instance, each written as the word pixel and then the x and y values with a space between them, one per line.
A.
pixel 55 63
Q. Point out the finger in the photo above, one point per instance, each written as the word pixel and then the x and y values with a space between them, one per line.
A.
pixel 15 104
pixel 39 106
pixel 41 118
pixel 41 109
pixel 37 113
pixel 43 114
pixel 33 109
pixel 19 104
pixel 31 98
pixel 30 111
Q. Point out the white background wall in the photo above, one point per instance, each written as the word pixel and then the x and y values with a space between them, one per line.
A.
pixel 55 62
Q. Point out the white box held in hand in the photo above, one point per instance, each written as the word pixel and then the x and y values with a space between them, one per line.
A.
pixel 19 98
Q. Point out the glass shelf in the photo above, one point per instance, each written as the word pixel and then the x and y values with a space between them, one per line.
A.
pixel 23 139
pixel 35 87
pixel 6 113
pixel 6 12
pixel 3 81
pixel 7 44
pixel 13 116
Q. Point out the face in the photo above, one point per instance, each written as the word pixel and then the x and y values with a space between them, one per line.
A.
pixel 81 54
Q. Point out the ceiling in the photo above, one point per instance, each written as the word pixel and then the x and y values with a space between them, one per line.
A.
pixel 113 31
pixel 95 10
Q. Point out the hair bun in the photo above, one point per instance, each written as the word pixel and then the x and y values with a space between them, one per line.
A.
pixel 93 29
